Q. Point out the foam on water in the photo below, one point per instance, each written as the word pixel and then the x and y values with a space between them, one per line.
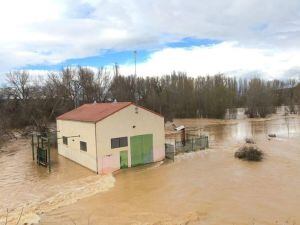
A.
pixel 66 194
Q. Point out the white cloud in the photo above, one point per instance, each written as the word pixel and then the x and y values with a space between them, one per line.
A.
pixel 228 57
pixel 51 31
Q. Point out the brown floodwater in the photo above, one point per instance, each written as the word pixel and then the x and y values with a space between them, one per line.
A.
pixel 206 187
pixel 27 187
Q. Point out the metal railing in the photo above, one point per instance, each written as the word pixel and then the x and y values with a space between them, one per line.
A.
pixel 190 145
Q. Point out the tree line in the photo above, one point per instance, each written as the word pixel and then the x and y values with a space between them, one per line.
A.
pixel 26 101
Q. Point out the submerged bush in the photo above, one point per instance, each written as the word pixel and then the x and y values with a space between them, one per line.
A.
pixel 249 141
pixel 249 153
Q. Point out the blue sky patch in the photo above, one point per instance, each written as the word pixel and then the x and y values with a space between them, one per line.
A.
pixel 110 57
pixel 107 58
pixel 190 42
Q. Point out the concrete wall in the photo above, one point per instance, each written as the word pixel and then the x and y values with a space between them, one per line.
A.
pixel 122 124
pixel 72 150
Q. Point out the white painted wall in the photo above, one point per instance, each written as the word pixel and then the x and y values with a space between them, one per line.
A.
pixel 121 124
pixel 72 150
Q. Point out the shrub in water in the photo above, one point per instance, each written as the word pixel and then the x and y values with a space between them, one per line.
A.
pixel 249 153
pixel 249 141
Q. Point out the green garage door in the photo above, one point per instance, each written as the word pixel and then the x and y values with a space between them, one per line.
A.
pixel 141 147
pixel 123 159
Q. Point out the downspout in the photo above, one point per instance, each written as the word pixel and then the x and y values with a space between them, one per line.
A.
pixel 96 147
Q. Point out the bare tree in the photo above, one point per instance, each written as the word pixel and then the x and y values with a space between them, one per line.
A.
pixel 259 98
pixel 19 82
pixel 86 84
pixel 24 102
pixel 102 85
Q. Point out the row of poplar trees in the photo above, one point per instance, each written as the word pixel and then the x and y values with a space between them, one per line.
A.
pixel 27 100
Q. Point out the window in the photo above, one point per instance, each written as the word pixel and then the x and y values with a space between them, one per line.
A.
pixel 65 140
pixel 119 142
pixel 115 143
pixel 123 142
pixel 83 146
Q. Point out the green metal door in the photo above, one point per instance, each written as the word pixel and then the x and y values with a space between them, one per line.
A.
pixel 141 147
pixel 136 150
pixel 148 148
pixel 123 159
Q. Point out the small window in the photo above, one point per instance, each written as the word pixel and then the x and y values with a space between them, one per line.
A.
pixel 83 146
pixel 115 143
pixel 119 142
pixel 123 142
pixel 65 140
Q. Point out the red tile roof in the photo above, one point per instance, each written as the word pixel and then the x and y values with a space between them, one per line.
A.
pixel 97 111
pixel 93 112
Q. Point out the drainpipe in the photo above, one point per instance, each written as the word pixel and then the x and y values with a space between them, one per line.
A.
pixel 96 147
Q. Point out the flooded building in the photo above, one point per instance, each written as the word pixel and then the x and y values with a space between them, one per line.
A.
pixel 105 137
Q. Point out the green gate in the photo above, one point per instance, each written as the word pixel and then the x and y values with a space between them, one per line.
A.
pixel 123 159
pixel 42 148
pixel 141 147
pixel 42 156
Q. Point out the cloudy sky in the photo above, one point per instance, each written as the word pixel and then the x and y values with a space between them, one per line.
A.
pixel 235 37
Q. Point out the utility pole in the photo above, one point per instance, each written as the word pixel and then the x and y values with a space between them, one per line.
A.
pixel 116 69
pixel 134 52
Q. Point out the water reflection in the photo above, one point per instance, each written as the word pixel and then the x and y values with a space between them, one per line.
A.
pixel 258 129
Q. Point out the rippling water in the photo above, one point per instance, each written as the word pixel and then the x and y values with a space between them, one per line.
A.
pixel 24 184
pixel 207 187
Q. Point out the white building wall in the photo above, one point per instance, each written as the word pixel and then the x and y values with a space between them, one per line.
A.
pixel 125 122
pixel 121 124
pixel 72 151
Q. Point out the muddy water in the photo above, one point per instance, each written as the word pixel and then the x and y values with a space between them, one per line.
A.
pixel 211 188
pixel 237 130
pixel 25 185
pixel 207 187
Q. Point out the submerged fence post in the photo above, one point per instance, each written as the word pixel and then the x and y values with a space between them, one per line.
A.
pixel 192 144
pixel 32 146
pixel 207 144
pixel 48 151
pixel 38 149
pixel 173 152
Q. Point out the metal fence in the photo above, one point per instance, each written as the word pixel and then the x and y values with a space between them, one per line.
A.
pixel 190 145
pixel 170 151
